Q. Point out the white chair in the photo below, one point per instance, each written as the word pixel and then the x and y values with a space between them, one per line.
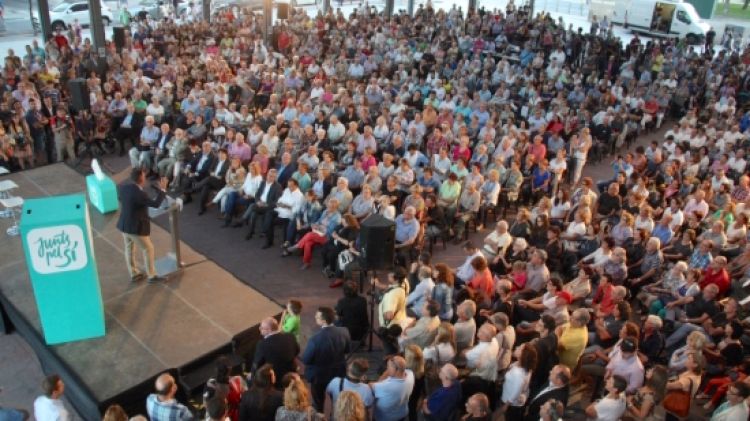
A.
pixel 5 187
pixel 13 205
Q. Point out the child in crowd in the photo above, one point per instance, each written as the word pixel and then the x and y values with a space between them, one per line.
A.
pixel 290 320
pixel 518 275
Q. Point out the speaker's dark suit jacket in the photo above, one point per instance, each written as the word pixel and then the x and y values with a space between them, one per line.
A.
pixel 274 193
pixel 536 401
pixel 325 355
pixel 134 209
pixel 280 350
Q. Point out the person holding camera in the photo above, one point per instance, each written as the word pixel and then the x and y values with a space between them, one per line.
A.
pixel 63 130
pixel 392 304
pixel 18 130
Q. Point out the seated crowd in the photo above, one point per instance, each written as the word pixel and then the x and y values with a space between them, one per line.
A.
pixel 629 289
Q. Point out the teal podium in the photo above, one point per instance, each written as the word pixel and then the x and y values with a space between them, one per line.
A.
pixel 102 190
pixel 57 242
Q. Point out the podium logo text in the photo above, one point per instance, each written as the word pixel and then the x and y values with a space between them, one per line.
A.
pixel 57 249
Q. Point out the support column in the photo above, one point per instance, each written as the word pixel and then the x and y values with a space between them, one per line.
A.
pixel 268 21
pixel 410 7
pixel 389 8
pixel 207 10
pixel 43 9
pixel 97 27
pixel 472 5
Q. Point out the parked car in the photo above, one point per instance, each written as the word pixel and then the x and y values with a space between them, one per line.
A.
pixel 64 14
pixel 155 9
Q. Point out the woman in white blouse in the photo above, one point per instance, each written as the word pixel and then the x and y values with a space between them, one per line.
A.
pixel 517 379
pixel 444 349
pixel 381 130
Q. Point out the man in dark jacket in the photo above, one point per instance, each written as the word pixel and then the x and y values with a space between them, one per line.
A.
pixel 277 348
pixel 557 388
pixel 266 197
pixel 325 355
pixel 135 224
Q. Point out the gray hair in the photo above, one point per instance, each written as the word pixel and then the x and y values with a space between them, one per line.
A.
pixel 655 321
pixel 469 309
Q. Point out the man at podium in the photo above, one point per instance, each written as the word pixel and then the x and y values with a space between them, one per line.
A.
pixel 135 224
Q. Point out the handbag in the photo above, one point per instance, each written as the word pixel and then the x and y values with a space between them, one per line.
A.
pixel 677 402
pixel 432 373
pixel 345 257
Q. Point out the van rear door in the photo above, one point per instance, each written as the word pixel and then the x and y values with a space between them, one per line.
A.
pixel 662 18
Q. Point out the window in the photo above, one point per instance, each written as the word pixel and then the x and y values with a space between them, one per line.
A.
pixel 683 17
pixel 82 7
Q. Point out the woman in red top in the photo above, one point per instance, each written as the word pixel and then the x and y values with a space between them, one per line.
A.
pixel 482 283
pixel 556 125
pixel 462 150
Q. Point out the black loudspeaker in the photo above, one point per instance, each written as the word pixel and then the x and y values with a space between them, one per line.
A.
pixel 283 11
pixel 79 94
pixel 118 36
pixel 377 238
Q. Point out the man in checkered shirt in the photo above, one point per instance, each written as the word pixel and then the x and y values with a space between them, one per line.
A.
pixel 162 405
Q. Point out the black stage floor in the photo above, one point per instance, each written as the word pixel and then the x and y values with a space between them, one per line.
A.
pixel 150 328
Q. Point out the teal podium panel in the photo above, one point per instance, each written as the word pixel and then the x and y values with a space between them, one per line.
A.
pixel 102 193
pixel 57 241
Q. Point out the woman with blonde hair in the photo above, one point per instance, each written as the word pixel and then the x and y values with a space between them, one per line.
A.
pixel 694 344
pixel 443 350
pixel 415 362
pixel 262 158
pixel 115 413
pixel 690 379
pixel 349 407
pixel 297 406
pixel 623 230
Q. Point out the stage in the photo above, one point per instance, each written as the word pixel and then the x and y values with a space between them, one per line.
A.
pixel 179 326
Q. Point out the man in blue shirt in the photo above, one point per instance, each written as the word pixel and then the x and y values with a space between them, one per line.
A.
pixel 392 393
pixel 162 405
pixel 355 381
pixel 428 182
pixel 407 228
pixel 142 153
pixel 662 231
pixel 444 400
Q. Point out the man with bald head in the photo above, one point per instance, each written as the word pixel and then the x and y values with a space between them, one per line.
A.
pixel 162 405
pixel 277 348
pixel 393 391
pixel 445 399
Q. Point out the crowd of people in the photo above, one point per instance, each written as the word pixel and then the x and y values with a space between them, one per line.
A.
pixel 628 290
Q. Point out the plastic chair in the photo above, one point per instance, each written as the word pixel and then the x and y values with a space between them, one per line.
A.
pixel 13 205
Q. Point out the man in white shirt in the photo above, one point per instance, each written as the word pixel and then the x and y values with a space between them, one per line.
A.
pixel 422 292
pixel 737 162
pixel 465 272
pixel 697 205
pixel 482 358
pixel 50 405
pixel 287 206
pixel 336 130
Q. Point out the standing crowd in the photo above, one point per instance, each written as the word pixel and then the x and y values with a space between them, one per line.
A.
pixel 628 291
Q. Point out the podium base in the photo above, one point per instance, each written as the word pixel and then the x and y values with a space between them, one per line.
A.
pixel 167 265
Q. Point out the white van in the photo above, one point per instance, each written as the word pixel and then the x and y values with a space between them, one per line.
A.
pixel 661 18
